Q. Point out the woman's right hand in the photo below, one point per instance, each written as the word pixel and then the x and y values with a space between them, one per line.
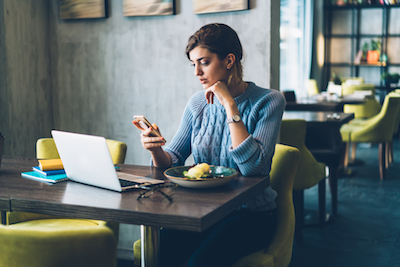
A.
pixel 148 142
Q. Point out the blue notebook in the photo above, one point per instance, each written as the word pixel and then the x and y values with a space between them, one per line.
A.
pixel 37 169
pixel 34 175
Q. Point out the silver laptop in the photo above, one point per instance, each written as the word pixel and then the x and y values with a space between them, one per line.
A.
pixel 87 160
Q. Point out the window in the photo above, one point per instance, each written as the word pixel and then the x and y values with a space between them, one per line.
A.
pixel 295 45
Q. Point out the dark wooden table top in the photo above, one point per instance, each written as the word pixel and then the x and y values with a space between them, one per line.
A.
pixel 326 104
pixel 191 209
pixel 320 118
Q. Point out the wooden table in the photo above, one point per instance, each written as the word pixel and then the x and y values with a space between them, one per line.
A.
pixel 319 118
pixel 326 104
pixel 191 209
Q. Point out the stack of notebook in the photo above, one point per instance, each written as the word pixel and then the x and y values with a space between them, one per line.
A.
pixel 49 171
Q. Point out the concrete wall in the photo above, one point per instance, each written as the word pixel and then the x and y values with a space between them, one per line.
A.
pixel 92 76
pixel 25 84
pixel 101 72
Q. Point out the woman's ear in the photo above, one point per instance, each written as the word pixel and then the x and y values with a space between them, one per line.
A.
pixel 230 60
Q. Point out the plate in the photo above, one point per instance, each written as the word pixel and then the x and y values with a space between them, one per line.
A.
pixel 223 176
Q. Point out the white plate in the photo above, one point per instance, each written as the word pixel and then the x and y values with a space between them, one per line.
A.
pixel 223 176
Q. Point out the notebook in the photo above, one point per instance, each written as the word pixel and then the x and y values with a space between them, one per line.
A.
pixel 87 160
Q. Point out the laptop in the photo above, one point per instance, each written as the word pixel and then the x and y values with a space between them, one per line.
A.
pixel 87 160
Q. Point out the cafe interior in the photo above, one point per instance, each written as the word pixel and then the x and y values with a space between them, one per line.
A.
pixel 89 66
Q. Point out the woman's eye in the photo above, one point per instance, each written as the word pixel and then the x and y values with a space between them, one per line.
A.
pixel 204 63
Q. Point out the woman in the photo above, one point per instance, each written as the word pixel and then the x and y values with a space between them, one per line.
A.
pixel 233 124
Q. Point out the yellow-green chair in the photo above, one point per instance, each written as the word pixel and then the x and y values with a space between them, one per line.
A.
pixel 352 88
pixel 361 111
pixel 378 129
pixel 366 110
pixel 55 242
pixel 279 252
pixel 395 130
pixel 358 80
pixel 99 238
pixel 312 87
pixel 309 172
pixel 46 149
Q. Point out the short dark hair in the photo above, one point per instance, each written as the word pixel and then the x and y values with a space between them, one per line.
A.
pixel 222 40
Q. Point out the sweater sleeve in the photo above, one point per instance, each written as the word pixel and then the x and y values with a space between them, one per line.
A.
pixel 254 154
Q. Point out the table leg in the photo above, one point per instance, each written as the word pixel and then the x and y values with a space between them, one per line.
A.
pixel 150 245
pixel 3 217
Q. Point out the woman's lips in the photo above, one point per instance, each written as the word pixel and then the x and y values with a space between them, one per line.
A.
pixel 203 81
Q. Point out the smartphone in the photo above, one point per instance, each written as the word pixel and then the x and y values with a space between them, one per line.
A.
pixel 145 124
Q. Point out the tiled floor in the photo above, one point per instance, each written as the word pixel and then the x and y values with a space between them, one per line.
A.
pixel 366 231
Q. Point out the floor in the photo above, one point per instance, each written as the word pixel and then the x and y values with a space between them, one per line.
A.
pixel 366 231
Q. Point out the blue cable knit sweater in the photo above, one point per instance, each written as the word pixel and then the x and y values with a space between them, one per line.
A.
pixel 204 133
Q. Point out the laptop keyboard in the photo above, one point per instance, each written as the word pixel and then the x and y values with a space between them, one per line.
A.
pixel 125 183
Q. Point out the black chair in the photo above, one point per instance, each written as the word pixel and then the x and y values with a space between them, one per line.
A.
pixel 290 96
pixel 327 149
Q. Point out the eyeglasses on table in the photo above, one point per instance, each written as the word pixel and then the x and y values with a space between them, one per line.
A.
pixel 165 189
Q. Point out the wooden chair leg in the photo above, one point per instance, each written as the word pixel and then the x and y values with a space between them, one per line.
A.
pixel 333 185
pixel 3 217
pixel 322 202
pixel 382 160
pixel 298 201
pixel 389 153
pixel 346 156
pixel 353 151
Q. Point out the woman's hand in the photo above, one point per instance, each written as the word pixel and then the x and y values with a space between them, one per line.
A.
pixel 154 144
pixel 220 91
pixel 149 142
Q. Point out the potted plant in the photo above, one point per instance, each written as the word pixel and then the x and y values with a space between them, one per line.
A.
pixel 336 79
pixel 390 78
pixel 371 51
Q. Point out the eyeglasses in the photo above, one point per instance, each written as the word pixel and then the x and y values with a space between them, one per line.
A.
pixel 166 189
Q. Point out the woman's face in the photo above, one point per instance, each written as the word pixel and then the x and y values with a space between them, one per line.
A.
pixel 207 67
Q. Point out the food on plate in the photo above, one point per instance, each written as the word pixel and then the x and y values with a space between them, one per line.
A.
pixel 205 167
pixel 201 170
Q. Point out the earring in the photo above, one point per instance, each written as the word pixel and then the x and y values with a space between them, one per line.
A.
pixel 228 68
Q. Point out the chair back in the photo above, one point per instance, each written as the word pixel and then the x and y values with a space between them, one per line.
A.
pixel 309 171
pixel 366 110
pixel 46 149
pixel 380 128
pixel 351 88
pixel 312 87
pixel 283 171
pixel 397 120
pixel 290 96
pixel 355 80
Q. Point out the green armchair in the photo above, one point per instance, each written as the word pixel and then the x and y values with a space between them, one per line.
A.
pixel 309 173
pixel 378 129
pixel 366 110
pixel 312 87
pixel 55 242
pixel 31 239
pixel 279 252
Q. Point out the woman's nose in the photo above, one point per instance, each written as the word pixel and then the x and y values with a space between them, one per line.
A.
pixel 197 71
